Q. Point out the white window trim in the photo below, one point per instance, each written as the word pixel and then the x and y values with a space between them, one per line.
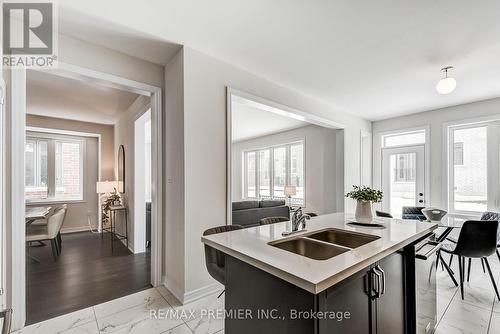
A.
pixel 287 144
pixel 427 155
pixel 446 155
pixel 425 129
pixel 53 136
pixel 493 179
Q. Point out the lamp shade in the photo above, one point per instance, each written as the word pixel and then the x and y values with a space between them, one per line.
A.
pixel 446 85
pixel 103 187
pixel 290 191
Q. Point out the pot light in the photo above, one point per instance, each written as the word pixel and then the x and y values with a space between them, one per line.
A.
pixel 447 84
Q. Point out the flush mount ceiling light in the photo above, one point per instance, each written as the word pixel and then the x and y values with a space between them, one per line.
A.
pixel 447 84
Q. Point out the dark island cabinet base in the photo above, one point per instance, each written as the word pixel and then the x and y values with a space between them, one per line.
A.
pixel 257 302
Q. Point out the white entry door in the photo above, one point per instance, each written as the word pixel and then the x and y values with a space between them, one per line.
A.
pixel 403 178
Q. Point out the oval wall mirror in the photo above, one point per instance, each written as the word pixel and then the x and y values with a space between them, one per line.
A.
pixel 121 168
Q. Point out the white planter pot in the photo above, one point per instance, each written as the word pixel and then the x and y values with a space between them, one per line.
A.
pixel 364 211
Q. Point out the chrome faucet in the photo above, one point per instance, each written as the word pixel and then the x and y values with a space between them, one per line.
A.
pixel 298 219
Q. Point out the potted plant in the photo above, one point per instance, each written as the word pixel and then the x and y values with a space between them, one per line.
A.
pixel 112 199
pixel 364 196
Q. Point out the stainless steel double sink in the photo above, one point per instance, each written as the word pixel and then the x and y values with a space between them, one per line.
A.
pixel 324 244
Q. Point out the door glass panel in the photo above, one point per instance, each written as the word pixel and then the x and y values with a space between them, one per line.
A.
pixel 470 169
pixel 402 181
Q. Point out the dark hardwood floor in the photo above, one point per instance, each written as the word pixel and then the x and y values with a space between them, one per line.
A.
pixel 85 274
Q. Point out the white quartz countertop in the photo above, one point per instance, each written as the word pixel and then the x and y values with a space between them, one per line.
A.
pixel 251 245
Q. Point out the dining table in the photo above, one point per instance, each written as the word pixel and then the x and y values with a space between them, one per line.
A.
pixel 31 214
pixel 448 223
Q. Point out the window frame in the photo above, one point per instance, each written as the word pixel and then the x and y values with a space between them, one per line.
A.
pixel 287 145
pixel 395 133
pixel 379 144
pixel 52 138
pixel 492 177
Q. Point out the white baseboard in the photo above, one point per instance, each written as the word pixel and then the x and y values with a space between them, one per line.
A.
pixel 174 289
pixel 191 296
pixel 85 228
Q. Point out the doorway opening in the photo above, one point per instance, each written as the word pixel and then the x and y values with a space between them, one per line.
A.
pixel 142 183
pixel 404 170
pixel 54 144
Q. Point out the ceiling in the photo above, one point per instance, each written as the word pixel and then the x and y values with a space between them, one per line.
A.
pixel 56 96
pixel 249 122
pixel 373 59
pixel 117 37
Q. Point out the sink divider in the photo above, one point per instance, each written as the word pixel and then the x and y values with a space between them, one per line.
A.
pixel 325 243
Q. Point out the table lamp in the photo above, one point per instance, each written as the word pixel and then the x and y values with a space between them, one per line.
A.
pixel 104 187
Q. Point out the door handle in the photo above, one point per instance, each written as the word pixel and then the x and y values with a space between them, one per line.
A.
pixel 376 283
pixel 382 279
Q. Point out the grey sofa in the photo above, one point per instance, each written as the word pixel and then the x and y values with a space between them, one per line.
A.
pixel 249 213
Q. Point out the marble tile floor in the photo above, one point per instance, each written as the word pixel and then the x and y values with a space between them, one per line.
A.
pixel 131 315
pixel 478 313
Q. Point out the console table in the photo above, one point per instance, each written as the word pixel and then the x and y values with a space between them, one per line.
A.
pixel 112 224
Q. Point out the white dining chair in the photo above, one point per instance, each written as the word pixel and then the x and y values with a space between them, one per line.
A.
pixel 50 232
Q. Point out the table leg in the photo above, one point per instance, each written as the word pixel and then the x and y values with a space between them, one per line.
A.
pixel 445 234
pixel 112 228
pixel 29 256
pixel 450 273
pixel 126 227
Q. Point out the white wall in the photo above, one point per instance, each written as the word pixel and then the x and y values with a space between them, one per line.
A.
pixel 76 52
pixel 435 119
pixel 124 135
pixel 320 164
pixel 173 162
pixel 204 159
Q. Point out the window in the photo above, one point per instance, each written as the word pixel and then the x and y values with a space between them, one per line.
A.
pixel 405 168
pixel 54 167
pixel 36 179
pixel 458 154
pixel 404 139
pixel 265 172
pixel 268 170
pixel 468 188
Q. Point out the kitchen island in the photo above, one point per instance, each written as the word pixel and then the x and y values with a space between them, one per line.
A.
pixel 333 277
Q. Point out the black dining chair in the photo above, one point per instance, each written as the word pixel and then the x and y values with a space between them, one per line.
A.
pixel 413 212
pixel 383 214
pixel 477 239
pixel 215 260
pixel 486 216
pixel 273 220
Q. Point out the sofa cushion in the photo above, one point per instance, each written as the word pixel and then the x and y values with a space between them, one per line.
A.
pixel 252 217
pixel 271 202
pixel 244 205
